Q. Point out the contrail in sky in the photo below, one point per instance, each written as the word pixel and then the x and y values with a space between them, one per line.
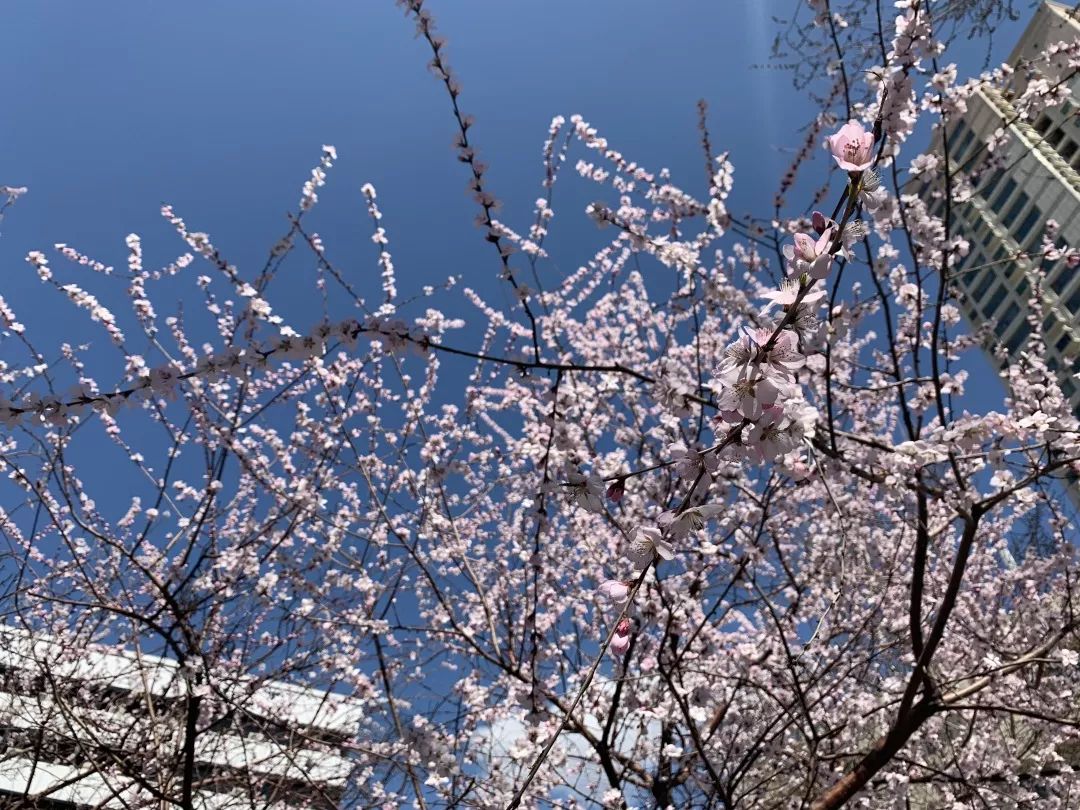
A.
pixel 759 28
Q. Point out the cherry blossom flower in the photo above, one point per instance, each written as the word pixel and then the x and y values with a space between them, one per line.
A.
pixel 852 147
pixel 748 396
pixel 771 435
pixel 788 293
pixel 586 490
pixel 645 541
pixel 782 358
pixel 872 194
pixel 680 524
pixel 163 380
pixel 809 255
pixel 675 392
pixel 615 590
pixel 854 231
pixel 688 462
pixel 1040 421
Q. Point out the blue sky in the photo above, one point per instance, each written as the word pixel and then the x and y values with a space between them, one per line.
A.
pixel 220 109
pixel 115 108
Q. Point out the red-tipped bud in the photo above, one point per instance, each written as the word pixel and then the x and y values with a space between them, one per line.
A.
pixel 617 490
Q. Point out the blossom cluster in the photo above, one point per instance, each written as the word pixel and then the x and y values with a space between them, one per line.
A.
pixel 354 523
pixel 164 380
pixel 763 412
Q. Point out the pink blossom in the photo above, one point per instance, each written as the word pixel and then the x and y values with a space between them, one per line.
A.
pixel 783 357
pixel 689 461
pixel 689 520
pixel 647 541
pixel 852 147
pixel 872 194
pixel 615 590
pixel 748 395
pixel 788 293
pixel 772 435
pixel 587 490
pixel 809 255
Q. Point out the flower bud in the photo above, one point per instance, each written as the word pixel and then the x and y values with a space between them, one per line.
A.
pixel 616 491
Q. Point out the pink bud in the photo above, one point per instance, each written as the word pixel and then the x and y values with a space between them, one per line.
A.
pixel 617 490
pixel 620 642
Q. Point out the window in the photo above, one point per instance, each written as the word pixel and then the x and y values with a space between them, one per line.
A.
pixel 994 302
pixel 1006 192
pixel 967 279
pixel 1022 200
pixel 965 142
pixel 1010 314
pixel 1022 289
pixel 1068 149
pixel 1073 304
pixel 995 178
pixel 1059 282
pixel 1034 216
pixel 984 285
pixel 1062 342
pixel 1048 323
pixel 1054 138
pixel 1019 335
pixel 1043 124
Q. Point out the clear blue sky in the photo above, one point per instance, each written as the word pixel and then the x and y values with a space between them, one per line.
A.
pixel 220 108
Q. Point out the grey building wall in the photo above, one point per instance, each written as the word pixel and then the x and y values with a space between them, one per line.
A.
pixel 1014 194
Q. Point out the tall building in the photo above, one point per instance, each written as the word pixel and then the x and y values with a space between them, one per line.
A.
pixel 95 729
pixel 1011 204
pixel 1034 180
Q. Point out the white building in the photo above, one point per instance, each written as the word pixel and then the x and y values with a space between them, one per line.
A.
pixel 1005 219
pixel 99 729
pixel 1009 209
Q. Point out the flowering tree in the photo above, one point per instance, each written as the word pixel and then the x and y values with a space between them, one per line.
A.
pixel 707 522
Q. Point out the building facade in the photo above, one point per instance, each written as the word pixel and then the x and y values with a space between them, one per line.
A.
pixel 1035 178
pixel 98 729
